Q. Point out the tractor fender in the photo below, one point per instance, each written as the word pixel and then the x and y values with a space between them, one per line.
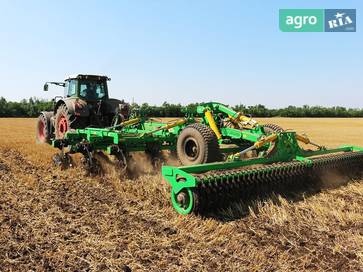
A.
pixel 75 106
pixel 113 105
pixel 47 114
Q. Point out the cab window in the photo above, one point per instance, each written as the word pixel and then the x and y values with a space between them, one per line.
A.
pixel 92 90
pixel 72 85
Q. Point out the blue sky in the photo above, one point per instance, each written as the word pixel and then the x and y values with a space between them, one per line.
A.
pixel 180 51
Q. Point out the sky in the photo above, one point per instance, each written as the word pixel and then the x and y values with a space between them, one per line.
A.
pixel 180 51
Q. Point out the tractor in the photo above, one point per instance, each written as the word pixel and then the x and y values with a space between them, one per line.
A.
pixel 85 103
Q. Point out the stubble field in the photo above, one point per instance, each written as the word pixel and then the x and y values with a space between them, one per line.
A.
pixel 52 220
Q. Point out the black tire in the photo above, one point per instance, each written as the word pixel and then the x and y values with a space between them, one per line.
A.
pixel 43 130
pixel 271 128
pixel 197 144
pixel 62 122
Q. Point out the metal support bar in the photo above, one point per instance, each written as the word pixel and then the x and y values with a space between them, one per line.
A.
pixel 209 116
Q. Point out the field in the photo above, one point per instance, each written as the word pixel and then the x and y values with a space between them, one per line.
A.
pixel 52 220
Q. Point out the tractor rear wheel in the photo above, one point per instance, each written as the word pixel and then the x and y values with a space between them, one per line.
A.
pixel 43 132
pixel 196 144
pixel 62 122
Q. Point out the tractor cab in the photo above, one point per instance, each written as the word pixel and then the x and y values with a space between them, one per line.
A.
pixel 87 87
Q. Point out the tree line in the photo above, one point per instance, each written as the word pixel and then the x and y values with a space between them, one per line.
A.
pixel 25 108
pixel 33 106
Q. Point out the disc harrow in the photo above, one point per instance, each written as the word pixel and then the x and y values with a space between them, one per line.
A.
pixel 226 156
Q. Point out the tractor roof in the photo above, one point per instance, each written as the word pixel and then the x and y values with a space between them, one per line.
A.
pixel 82 76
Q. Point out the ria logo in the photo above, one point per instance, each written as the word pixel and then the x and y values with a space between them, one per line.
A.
pixel 317 20
pixel 340 20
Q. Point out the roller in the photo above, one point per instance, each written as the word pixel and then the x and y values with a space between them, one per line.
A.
pixel 206 187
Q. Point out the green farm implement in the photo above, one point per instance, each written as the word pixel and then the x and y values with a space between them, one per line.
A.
pixel 224 154
pixel 198 188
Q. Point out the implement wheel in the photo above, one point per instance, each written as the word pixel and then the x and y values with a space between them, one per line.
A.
pixel 197 144
pixel 185 202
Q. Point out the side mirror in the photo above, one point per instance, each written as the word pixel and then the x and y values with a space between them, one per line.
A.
pixel 45 88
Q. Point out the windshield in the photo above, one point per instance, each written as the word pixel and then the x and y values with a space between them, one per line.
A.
pixel 92 90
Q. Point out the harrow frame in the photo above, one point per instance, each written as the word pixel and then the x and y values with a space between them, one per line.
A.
pixel 146 135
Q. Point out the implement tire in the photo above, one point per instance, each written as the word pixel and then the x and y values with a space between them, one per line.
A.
pixel 197 144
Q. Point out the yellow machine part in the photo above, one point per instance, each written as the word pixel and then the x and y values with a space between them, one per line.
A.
pixel 130 122
pixel 208 114
pixel 177 123
pixel 306 140
pixel 243 118
pixel 303 139
pixel 266 140
pixel 240 118
pixel 169 126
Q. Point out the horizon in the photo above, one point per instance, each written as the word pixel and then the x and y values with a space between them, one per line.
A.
pixel 184 105
pixel 181 52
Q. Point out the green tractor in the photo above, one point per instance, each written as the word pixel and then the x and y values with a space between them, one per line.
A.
pixel 85 103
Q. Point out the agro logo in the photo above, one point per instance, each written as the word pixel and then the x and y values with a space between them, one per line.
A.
pixel 298 21
pixel 340 20
pixel 301 20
